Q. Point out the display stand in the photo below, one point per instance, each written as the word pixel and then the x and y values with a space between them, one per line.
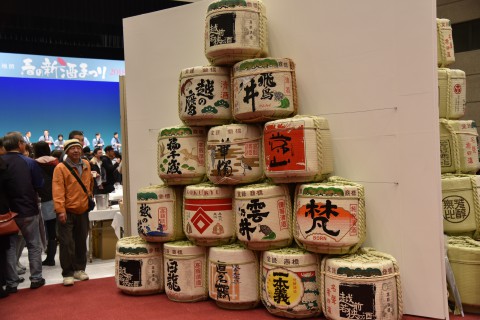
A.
pixel 369 67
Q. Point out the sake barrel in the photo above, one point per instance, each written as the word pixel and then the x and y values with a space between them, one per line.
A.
pixel 235 31
pixel 366 284
pixel 330 217
pixel 291 283
pixel 159 213
pixel 451 93
pixel 181 155
pixel 208 216
pixel 445 50
pixel 204 96
pixel 263 216
pixel 464 256
pixel 458 146
pixel 297 149
pixel 233 277
pixel 461 205
pixel 264 89
pixel 139 266
pixel 185 271
pixel 234 154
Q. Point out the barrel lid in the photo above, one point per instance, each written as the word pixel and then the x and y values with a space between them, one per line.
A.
pixel 443 73
pixel 208 190
pixel 235 253
pixel 204 71
pixel 267 190
pixel 309 122
pixel 460 126
pixel 459 181
pixel 366 262
pixel 226 4
pixel 303 257
pixel 183 248
pixel 262 65
pixel 235 133
pixel 327 189
pixel 181 131
pixel 152 192
pixel 136 245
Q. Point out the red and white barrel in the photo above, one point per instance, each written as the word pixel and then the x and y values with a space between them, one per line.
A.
pixel 204 96
pixel 208 215
pixel 297 149
pixel 330 217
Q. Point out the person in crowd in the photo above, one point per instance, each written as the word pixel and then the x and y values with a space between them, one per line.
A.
pixel 47 138
pixel 71 206
pixel 27 136
pixel 86 142
pixel 21 180
pixel 74 134
pixel 58 144
pixel 98 141
pixel 110 164
pixel 98 172
pixel 87 153
pixel 115 142
pixel 57 154
pixel 28 151
pixel 4 240
pixel 47 163
pixel 118 171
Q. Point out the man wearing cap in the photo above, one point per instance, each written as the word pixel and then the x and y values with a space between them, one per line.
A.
pixel 71 206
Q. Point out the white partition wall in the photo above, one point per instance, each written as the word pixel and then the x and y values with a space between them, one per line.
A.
pixel 369 67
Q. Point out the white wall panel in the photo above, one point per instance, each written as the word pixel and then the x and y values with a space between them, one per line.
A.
pixel 369 67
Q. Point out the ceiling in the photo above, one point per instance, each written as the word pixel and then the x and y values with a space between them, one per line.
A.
pixel 70 28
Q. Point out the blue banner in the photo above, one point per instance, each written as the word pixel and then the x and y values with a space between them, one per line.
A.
pixel 48 67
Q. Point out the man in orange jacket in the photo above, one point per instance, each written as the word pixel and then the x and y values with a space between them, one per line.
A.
pixel 71 205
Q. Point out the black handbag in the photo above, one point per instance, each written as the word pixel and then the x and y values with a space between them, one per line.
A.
pixel 91 203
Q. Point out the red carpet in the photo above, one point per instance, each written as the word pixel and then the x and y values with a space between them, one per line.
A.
pixel 100 299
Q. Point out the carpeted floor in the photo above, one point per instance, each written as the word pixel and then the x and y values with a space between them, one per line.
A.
pixel 100 299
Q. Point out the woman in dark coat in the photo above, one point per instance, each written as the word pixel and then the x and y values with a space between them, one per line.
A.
pixel 4 240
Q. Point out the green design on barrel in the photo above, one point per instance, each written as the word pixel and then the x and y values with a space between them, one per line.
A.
pixel 226 4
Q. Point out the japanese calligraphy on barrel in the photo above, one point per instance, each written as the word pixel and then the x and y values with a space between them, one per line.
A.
pixel 185 266
pixel 297 149
pixel 461 205
pixel 139 266
pixel 208 216
pixel 235 31
pixel 458 146
pixel 464 256
pixel 204 96
pixel 330 217
pixel 264 89
pixel 234 154
pixel 181 155
pixel 263 216
pixel 366 284
pixel 445 50
pixel 451 93
pixel 233 277
pixel 159 213
pixel 290 283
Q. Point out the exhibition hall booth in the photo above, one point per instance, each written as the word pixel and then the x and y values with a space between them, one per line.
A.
pixel 369 68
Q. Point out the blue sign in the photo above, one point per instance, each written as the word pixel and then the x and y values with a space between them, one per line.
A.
pixel 48 67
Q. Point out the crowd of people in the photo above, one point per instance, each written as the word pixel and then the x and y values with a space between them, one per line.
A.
pixel 58 144
pixel 50 189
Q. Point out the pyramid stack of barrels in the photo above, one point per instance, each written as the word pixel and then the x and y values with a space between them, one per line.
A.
pixel 459 159
pixel 250 212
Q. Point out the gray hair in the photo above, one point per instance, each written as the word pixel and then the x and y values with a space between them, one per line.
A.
pixel 11 140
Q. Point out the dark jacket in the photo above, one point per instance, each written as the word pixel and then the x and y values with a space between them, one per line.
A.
pixel 110 168
pixel 47 164
pixel 21 180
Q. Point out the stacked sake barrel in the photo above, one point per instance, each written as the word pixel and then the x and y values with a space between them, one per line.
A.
pixel 249 182
pixel 460 163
